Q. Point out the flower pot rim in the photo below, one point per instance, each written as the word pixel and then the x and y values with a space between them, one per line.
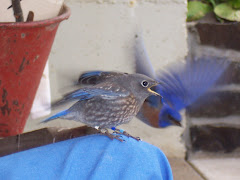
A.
pixel 64 14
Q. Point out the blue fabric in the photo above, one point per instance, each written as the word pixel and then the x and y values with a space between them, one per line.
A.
pixel 89 157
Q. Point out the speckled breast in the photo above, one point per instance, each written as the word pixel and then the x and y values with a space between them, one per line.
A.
pixel 108 113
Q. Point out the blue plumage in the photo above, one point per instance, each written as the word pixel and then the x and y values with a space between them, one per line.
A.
pixel 184 82
pixel 96 77
pixel 88 77
pixel 171 114
pixel 113 99
pixel 88 93
pixel 91 74
pixel 58 115
pixel 181 84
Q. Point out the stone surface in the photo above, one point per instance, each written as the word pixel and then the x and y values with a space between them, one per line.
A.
pixel 213 120
pixel 221 35
pixel 99 35
pixel 218 168
pixel 216 104
pixel 198 49
pixel 214 138
pixel 231 75
pixel 182 170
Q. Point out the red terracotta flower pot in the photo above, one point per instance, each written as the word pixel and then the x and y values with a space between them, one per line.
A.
pixel 24 50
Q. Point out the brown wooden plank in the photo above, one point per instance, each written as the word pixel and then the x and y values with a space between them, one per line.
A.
pixel 40 137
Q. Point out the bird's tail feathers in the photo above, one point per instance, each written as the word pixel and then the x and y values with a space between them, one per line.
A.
pixel 58 115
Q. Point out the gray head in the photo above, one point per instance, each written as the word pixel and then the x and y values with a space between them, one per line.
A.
pixel 139 84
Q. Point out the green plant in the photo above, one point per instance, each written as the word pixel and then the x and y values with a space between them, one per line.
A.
pixel 223 9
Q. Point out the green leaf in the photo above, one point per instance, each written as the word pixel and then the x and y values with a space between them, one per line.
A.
pixel 225 11
pixel 235 4
pixel 197 10
pixel 211 2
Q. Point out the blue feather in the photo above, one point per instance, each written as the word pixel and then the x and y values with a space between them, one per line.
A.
pixel 83 94
pixel 77 95
pixel 143 65
pixel 91 73
pixel 96 77
pixel 86 77
pixel 58 115
pixel 164 120
pixel 88 93
pixel 89 78
pixel 183 84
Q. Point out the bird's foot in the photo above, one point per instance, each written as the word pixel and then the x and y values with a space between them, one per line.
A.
pixel 121 131
pixel 111 136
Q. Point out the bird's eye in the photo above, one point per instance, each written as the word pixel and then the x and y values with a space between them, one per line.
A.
pixel 144 83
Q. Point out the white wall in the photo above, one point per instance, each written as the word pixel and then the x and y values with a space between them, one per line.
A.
pixel 99 35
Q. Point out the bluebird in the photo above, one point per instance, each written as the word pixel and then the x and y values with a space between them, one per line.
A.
pixel 109 103
pixel 181 84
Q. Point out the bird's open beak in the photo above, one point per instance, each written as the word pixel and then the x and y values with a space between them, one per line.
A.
pixel 177 123
pixel 174 121
pixel 153 92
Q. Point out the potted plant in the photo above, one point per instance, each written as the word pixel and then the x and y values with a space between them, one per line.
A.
pixel 217 22
pixel 24 50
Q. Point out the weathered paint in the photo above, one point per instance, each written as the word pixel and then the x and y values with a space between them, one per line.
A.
pixel 24 50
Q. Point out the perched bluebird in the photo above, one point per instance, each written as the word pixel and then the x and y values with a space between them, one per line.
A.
pixel 109 103
pixel 181 84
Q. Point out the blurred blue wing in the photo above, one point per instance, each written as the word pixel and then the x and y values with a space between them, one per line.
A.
pixel 182 83
pixel 143 63
pixel 185 81
pixel 144 66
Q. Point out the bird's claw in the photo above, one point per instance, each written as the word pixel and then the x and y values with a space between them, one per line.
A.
pixel 118 137
pixel 111 136
pixel 136 138
pixel 120 131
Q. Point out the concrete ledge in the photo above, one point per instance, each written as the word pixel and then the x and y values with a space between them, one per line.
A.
pixel 182 170
pixel 218 168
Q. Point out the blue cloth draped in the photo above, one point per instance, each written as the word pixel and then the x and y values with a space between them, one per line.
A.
pixel 88 157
